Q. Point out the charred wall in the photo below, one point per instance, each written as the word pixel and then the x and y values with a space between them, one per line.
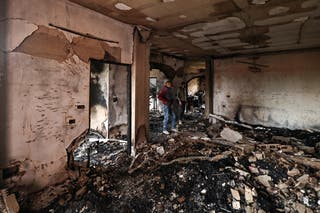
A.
pixel 47 83
pixel 283 92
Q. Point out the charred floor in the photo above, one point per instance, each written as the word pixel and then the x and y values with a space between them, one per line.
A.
pixel 205 167
pixel 160 106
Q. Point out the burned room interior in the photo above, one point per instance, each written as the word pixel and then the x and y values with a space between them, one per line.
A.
pixel 160 106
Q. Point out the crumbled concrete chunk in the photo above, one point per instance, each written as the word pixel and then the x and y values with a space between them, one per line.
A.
pixel 293 172
pixel 236 205
pixel 254 170
pixel 230 135
pixel 264 180
pixel 248 195
pixel 160 150
pixel 235 194
pixel 259 156
pixel 303 179
pixel 300 208
pixel 252 159
pixel 171 140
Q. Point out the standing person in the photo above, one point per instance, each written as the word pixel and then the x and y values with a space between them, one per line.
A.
pixel 182 98
pixel 167 97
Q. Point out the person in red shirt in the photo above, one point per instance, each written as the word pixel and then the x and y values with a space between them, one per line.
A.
pixel 167 97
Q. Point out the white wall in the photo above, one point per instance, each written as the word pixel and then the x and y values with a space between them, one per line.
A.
pixel 286 94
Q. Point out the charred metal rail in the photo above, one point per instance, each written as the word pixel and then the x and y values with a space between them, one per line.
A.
pixel 82 34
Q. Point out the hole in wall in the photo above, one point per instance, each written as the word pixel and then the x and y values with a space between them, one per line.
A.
pixel 72 121
pixel 10 172
pixel 80 106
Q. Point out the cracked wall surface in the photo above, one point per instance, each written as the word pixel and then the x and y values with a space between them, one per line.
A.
pixel 46 77
pixel 285 93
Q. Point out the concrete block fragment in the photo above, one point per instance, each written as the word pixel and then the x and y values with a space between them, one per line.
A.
pixel 236 205
pixel 230 135
pixel 248 195
pixel 293 172
pixel 304 179
pixel 160 150
pixel 235 194
pixel 264 180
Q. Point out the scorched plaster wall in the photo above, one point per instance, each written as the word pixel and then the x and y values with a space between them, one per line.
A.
pixel 284 94
pixel 45 75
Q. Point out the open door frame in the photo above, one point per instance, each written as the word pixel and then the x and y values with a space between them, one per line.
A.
pixel 129 98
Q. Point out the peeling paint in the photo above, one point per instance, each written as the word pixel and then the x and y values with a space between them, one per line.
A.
pixel 17 27
pixel 87 48
pixel 53 44
pixel 212 28
pixel 224 25
pixel 47 43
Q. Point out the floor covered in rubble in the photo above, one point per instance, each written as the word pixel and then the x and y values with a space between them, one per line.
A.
pixel 220 167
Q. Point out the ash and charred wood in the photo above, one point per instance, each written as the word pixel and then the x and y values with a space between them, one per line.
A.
pixel 220 118
pixel 216 158
pixel 308 162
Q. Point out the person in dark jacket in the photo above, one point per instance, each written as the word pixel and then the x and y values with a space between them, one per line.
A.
pixel 167 97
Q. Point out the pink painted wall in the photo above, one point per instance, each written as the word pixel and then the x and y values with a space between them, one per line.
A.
pixel 42 90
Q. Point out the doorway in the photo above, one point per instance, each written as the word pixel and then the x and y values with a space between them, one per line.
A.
pixel 196 94
pixel 110 100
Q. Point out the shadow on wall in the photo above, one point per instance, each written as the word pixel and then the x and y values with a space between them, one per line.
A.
pixel 268 116
pixel 98 96
pixel 265 116
pixel 3 89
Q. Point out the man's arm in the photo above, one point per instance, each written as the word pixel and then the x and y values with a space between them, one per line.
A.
pixel 162 96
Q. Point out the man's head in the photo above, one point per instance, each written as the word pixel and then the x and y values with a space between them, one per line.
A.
pixel 168 83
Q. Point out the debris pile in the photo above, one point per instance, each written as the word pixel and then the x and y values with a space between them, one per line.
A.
pixel 95 150
pixel 205 168
pixel 8 202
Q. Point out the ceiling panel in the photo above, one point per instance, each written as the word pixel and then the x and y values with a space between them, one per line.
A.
pixel 196 28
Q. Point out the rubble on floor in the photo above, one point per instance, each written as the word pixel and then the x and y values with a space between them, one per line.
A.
pixel 198 170
pixel 95 150
pixel 8 202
